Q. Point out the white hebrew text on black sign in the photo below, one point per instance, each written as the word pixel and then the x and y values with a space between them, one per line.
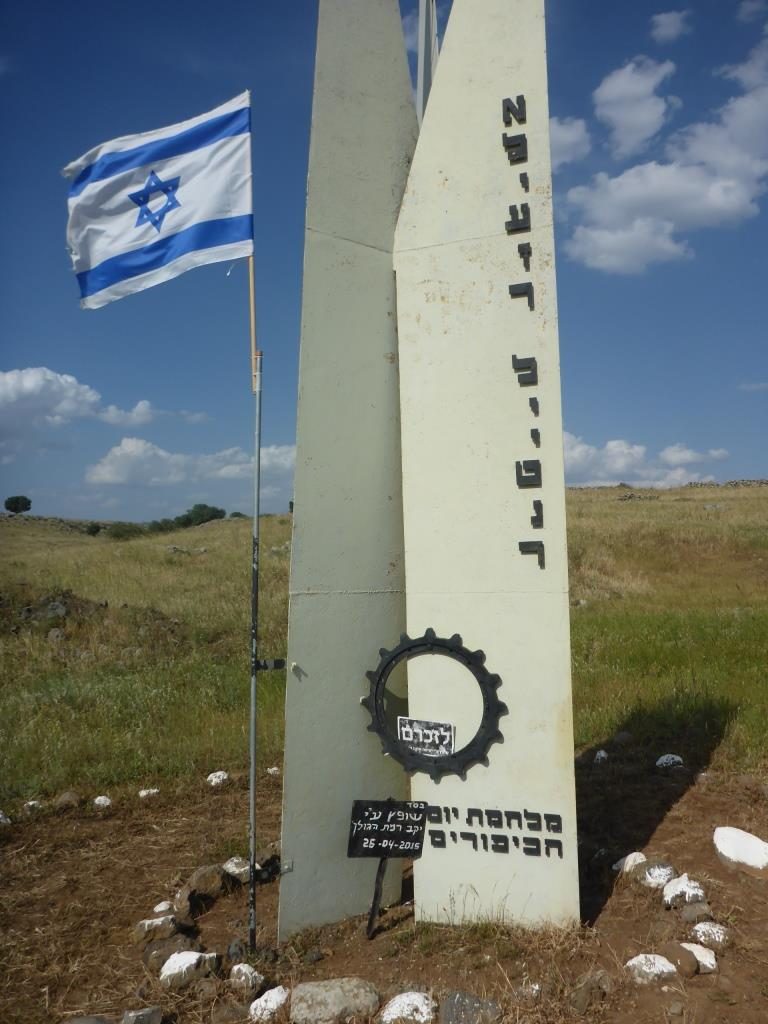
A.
pixel 433 739
pixel 387 828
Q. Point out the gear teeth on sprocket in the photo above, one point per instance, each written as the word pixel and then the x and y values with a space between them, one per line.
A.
pixel 488 733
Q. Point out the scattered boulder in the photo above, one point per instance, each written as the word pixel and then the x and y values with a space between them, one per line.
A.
pixel 147 794
pixel 692 913
pixel 648 968
pixel 56 610
pixel 705 958
pixel 163 908
pixel 238 868
pixel 330 1002
pixel 676 1008
pixel 4 819
pixel 269 1006
pixel 410 1008
pixel 632 860
pixel 590 987
pixel 31 807
pixel 601 757
pixel 742 850
pixel 156 953
pixel 670 761
pixel 67 800
pixel 463 1008
pixel 216 779
pixel 207 881
pixel 153 928
pixel 151 1015
pixel 237 952
pixel 181 969
pixel 273 771
pixel 713 936
pixel 681 958
pixel 654 874
pixel 229 1013
pixel 682 890
pixel 246 981
pixel 313 956
pixel 55 635
pixel 102 803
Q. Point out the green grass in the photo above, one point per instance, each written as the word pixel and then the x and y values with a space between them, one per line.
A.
pixel 669 635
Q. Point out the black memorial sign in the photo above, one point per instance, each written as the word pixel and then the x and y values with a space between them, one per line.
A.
pixel 387 828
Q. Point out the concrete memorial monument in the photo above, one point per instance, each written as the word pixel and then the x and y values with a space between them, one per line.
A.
pixel 484 727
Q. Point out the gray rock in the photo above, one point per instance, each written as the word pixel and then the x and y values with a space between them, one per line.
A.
pixel 692 913
pixel 151 1015
pixel 331 1002
pixel 237 952
pixel 67 800
pixel 156 953
pixel 314 956
pixel 91 1020
pixel 246 981
pixel 153 928
pixel 208 881
pixel 676 1008
pixel 55 636
pixel 409 1008
pixel 463 1008
pixel 182 969
pixel 229 1013
pixel 56 610
pixel 4 819
pixel 591 987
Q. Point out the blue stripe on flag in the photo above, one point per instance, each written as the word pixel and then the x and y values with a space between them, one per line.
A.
pixel 151 257
pixel 236 123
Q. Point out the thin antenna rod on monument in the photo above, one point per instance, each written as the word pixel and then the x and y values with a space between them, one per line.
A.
pixel 428 52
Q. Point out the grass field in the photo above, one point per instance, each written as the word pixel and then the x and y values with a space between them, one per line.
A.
pixel 147 675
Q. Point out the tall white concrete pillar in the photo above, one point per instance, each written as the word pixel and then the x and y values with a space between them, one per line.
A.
pixel 483 488
pixel 346 585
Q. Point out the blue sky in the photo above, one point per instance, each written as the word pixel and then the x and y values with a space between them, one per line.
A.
pixel 142 408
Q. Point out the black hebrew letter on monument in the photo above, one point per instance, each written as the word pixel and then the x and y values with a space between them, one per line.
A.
pixel 532 821
pixel 518 291
pixel 474 812
pixel 554 823
pixel 527 371
pixel 536 437
pixel 516 147
pixel 525 251
pixel 533 547
pixel 532 847
pixel 519 220
pixel 437 838
pixel 469 837
pixel 528 473
pixel 537 519
pixel 553 844
pixel 514 110
pixel 499 844
pixel 513 815
pixel 494 819
pixel 534 404
pixel 525 182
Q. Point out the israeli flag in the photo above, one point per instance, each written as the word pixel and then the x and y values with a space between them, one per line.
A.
pixel 146 208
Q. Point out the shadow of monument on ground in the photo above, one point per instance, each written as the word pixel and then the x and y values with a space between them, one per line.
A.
pixel 622 801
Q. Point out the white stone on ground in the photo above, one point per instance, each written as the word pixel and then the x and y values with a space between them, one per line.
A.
pixel 180 969
pixel 414 1007
pixel 650 967
pixel 742 850
pixel 273 771
pixel 4 819
pixel 669 761
pixel 626 864
pixel 657 876
pixel 102 802
pixel 682 890
pixel 32 806
pixel 601 756
pixel 145 794
pixel 163 908
pixel 268 1006
pixel 705 958
pixel 711 935
pixel 238 868
pixel 246 980
pixel 153 928
pixel 217 778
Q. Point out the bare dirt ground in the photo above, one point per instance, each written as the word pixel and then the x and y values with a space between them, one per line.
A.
pixel 73 884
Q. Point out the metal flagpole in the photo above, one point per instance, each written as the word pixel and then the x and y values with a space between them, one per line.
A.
pixel 256 385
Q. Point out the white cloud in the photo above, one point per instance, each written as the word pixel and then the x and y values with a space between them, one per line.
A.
pixel 620 461
pixel 37 397
pixel 758 385
pixel 714 174
pixel 142 463
pixel 681 455
pixel 569 140
pixel 751 10
pixel 627 103
pixel 667 27
pixel 627 249
pixel 411 31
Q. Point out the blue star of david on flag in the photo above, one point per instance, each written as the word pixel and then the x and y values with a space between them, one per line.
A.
pixel 154 185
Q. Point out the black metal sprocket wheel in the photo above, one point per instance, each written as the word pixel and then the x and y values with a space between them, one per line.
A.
pixel 488 733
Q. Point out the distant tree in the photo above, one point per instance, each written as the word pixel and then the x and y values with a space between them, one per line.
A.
pixel 125 531
pixel 18 503
pixel 92 529
pixel 199 514
pixel 237 515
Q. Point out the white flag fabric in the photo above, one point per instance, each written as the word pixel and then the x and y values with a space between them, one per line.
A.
pixel 145 208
